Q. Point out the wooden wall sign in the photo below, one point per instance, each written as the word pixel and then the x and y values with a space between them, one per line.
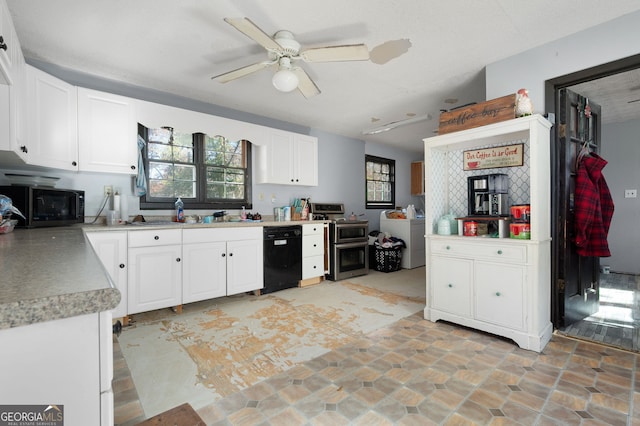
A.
pixel 493 111
pixel 494 157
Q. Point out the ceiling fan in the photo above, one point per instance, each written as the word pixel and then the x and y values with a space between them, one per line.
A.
pixel 284 51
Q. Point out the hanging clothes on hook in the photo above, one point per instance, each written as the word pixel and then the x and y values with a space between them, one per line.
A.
pixel 593 207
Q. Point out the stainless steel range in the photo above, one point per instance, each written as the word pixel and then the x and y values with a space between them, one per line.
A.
pixel 348 241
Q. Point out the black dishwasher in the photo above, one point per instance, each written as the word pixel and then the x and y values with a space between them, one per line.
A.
pixel 282 257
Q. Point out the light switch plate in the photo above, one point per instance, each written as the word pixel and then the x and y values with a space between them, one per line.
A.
pixel 630 193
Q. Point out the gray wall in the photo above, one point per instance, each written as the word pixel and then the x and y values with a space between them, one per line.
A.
pixel 621 148
pixel 341 160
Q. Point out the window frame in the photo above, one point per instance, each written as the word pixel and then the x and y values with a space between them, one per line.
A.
pixel 392 178
pixel 201 167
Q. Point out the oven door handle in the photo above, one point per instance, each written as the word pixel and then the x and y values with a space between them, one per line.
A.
pixel 351 245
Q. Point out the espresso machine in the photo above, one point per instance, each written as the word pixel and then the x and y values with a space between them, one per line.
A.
pixel 489 195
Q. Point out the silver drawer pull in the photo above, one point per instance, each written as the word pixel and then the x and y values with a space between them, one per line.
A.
pixel 499 251
pixel 498 293
pixel 156 238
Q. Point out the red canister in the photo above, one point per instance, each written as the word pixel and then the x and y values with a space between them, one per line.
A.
pixel 521 213
pixel 470 228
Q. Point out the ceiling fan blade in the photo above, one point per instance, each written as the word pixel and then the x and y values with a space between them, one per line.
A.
pixel 306 86
pixel 241 72
pixel 351 52
pixel 251 30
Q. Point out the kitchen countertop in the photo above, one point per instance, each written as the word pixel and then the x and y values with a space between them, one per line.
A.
pixel 49 274
pixel 166 224
pixel 53 273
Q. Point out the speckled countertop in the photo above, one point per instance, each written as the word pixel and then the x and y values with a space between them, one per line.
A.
pixel 49 274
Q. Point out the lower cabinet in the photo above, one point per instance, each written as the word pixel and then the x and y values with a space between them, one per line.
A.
pixel 68 362
pixel 161 268
pixel 494 286
pixel 155 269
pixel 111 248
pixel 312 251
pixel 221 262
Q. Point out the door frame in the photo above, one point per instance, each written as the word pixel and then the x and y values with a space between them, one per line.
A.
pixel 551 88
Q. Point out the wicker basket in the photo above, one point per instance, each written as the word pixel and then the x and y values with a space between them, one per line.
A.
pixel 387 259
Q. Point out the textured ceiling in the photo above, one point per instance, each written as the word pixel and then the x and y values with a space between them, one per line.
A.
pixel 177 46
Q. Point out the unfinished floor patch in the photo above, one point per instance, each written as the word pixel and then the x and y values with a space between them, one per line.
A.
pixel 221 346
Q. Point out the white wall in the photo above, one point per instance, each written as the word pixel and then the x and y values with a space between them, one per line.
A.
pixel 621 148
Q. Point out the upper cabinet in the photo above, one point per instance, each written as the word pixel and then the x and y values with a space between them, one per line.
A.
pixel 107 133
pixel 417 178
pixel 8 45
pixel 12 92
pixel 288 159
pixel 53 121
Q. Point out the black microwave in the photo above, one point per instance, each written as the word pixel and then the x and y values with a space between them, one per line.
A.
pixel 44 206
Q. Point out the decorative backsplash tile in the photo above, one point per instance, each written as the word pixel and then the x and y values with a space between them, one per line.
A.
pixel 449 181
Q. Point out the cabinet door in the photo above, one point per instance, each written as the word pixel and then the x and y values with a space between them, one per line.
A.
pixel 278 158
pixel 417 178
pixel 204 271
pixel 53 121
pixel 305 160
pixel 6 55
pixel 111 248
pixel 499 295
pixel 244 266
pixel 451 285
pixel 155 278
pixel 107 133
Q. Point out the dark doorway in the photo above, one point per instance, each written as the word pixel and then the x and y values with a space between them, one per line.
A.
pixel 594 327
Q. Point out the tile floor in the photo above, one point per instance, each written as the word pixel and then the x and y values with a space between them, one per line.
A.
pixel 417 372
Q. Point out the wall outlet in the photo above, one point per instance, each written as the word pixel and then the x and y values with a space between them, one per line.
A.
pixel 630 193
pixel 108 190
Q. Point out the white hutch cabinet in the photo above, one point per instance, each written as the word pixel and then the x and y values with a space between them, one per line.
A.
pixel 498 285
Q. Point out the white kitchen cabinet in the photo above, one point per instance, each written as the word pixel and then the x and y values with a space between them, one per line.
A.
pixel 155 269
pixel 76 372
pixel 107 133
pixel 451 281
pixel 498 285
pixel 111 248
pixel 52 107
pixel 8 45
pixel 288 159
pixel 411 231
pixel 313 250
pixel 221 262
pixel 13 94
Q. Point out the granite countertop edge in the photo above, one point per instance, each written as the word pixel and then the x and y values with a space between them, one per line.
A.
pixel 32 311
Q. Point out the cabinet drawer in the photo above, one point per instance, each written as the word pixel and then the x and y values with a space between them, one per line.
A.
pixel 313 229
pixel 312 267
pixel 494 251
pixel 155 237
pixel 209 235
pixel 312 245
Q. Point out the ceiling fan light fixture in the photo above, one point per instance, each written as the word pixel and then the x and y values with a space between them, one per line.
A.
pixel 285 80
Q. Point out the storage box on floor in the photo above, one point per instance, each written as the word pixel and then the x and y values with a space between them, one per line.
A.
pixel 385 252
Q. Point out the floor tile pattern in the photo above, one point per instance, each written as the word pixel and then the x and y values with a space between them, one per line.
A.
pixel 419 372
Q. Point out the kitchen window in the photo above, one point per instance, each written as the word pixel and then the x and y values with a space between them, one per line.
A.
pixel 380 181
pixel 206 172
